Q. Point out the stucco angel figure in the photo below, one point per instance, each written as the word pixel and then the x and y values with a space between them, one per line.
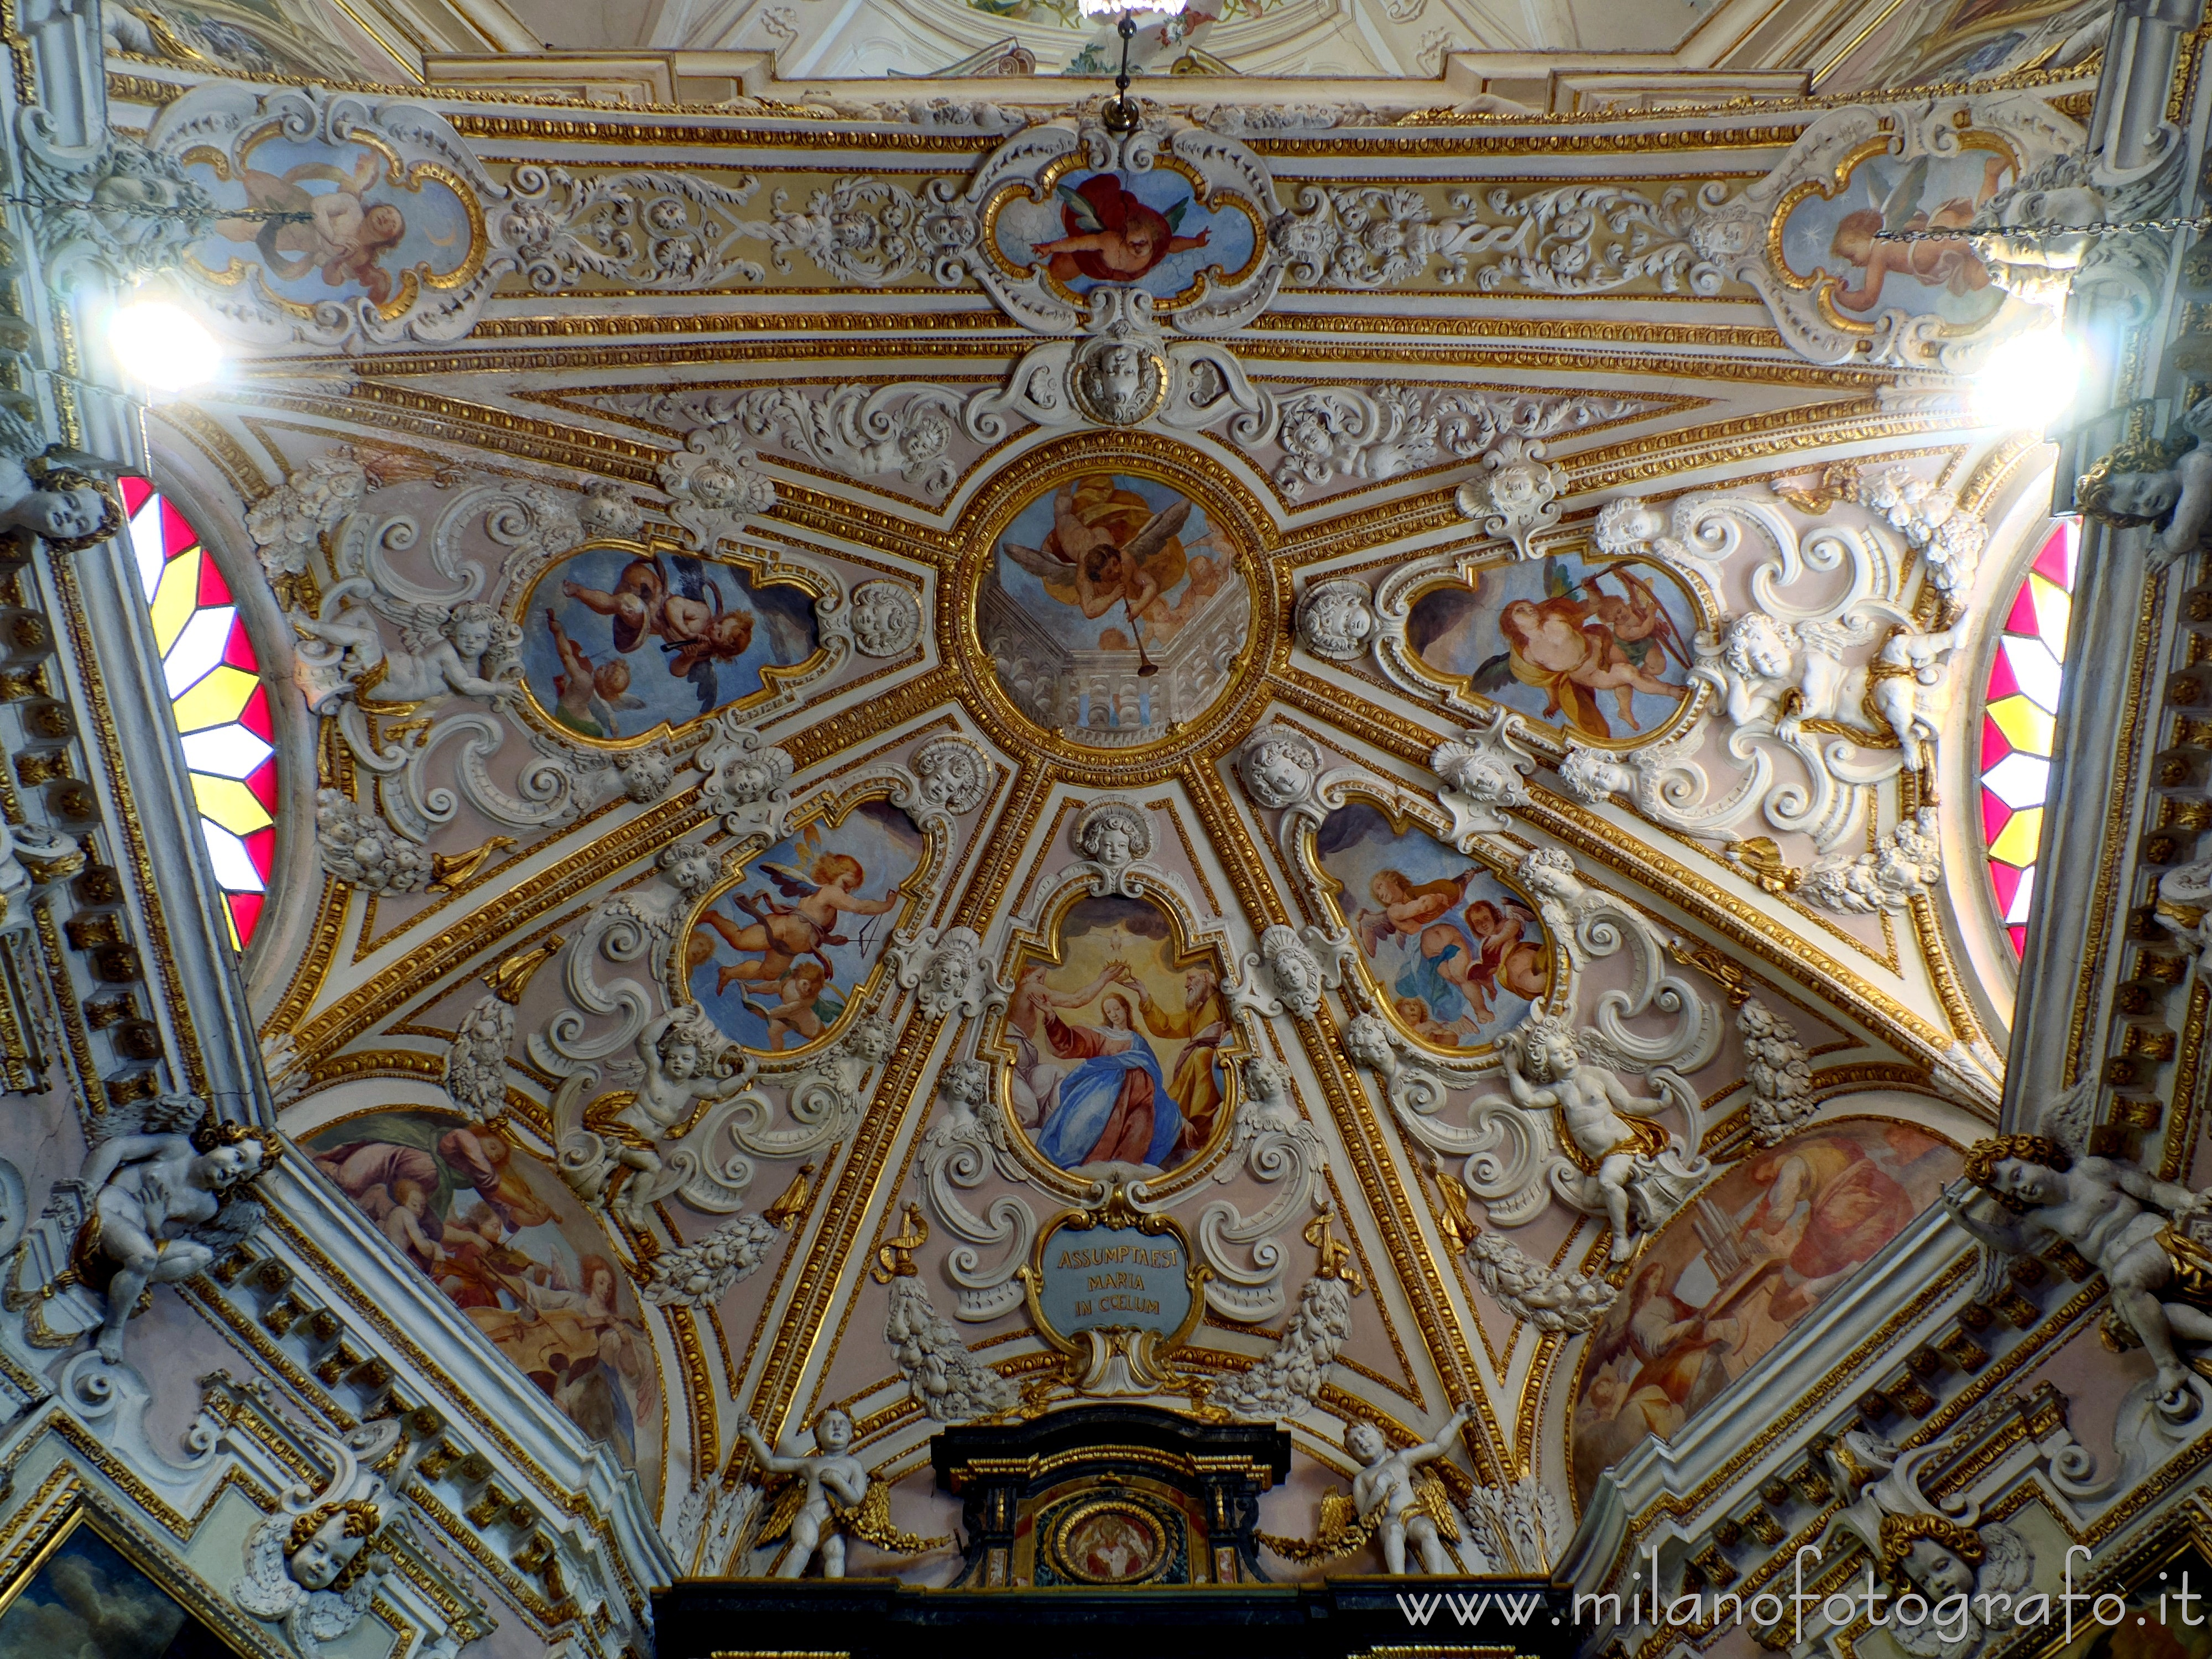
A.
pixel 683 1064
pixel 2166 483
pixel 41 492
pixel 1391 1502
pixel 1936 1559
pixel 2151 1239
pixel 830 1496
pixel 1629 1171
pixel 309 1564
pixel 469 650
pixel 160 1208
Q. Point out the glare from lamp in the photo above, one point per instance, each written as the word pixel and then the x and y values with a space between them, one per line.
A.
pixel 162 345
pixel 2028 382
pixel 1145 7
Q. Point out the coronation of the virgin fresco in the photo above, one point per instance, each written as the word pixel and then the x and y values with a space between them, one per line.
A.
pixel 1238 861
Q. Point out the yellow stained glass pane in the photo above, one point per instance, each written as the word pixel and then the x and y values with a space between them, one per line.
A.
pixel 231 923
pixel 2026 727
pixel 215 701
pixel 2015 843
pixel 2054 607
pixel 176 598
pixel 230 803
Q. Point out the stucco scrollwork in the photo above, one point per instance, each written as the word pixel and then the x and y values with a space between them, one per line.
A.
pixel 945 970
pixel 1517 495
pixel 748 782
pixel 1275 1145
pixel 947 1381
pixel 905 429
pixel 967 1143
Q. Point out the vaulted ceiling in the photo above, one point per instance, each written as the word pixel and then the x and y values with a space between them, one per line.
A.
pixel 1273 544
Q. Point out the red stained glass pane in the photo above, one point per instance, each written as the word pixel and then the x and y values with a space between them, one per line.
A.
pixel 2056 563
pixel 1994 816
pixel 261 847
pixel 263 783
pixel 1995 745
pixel 213 589
pixel 178 535
pixel 2022 619
pixel 255 716
pixel 245 912
pixel 237 650
pixel 135 492
pixel 2004 877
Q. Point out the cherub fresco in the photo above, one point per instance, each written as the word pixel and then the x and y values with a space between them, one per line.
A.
pixel 1601 649
pixel 343 235
pixel 1840 238
pixel 1458 955
pixel 801 929
pixel 1111 235
pixel 608 612
pixel 1116 1046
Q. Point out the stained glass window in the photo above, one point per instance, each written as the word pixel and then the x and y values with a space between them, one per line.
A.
pixel 215 688
pixel 2020 713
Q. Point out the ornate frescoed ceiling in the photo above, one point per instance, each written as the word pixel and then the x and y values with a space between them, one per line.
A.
pixel 844 683
pixel 1361 762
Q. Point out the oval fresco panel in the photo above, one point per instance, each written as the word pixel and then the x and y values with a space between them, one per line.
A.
pixel 1117 1040
pixel 778 958
pixel 1726 1279
pixel 1833 236
pixel 619 641
pixel 366 235
pixel 1600 648
pixel 1115 607
pixel 1146 228
pixel 508 1244
pixel 1457 956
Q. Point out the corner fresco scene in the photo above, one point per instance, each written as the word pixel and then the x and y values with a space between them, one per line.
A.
pixel 1459 956
pixel 1726 1279
pixel 1599 647
pixel 506 1242
pixel 776 959
pixel 1117 1045
pixel 617 643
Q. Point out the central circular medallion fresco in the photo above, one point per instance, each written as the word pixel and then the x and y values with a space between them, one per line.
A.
pixel 1113 602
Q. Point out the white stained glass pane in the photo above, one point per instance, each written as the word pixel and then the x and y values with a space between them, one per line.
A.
pixel 146 545
pixel 2019 780
pixel 233 868
pixel 2020 899
pixel 2035 668
pixel 198 648
pixel 226 752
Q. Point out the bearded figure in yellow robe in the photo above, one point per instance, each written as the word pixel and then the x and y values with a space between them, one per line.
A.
pixel 1203 1020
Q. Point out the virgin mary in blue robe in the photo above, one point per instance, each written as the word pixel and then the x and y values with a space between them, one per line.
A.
pixel 1115 1107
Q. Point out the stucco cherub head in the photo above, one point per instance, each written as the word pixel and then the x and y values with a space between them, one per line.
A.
pixel 325 1541
pixel 1277 767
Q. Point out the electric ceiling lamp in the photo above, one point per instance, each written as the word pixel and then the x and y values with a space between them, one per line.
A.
pixel 1119 115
